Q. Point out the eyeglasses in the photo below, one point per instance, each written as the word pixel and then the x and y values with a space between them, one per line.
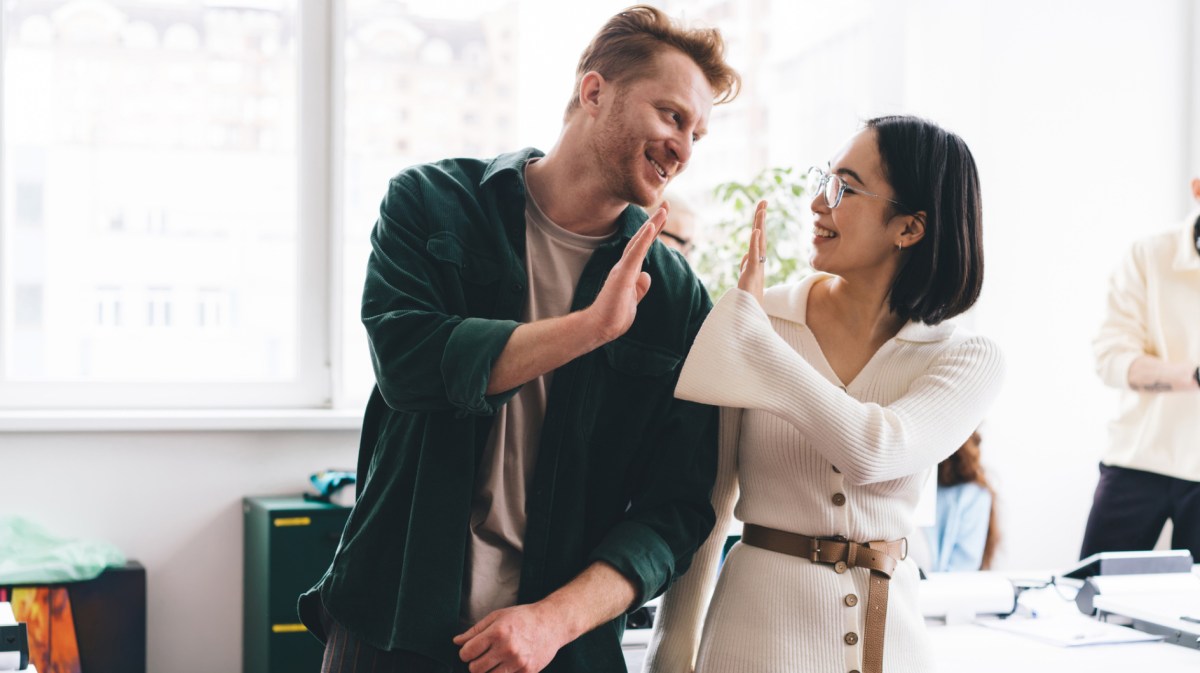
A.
pixel 834 187
pixel 685 244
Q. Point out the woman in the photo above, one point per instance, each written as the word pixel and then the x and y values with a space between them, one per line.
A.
pixel 840 394
pixel 966 533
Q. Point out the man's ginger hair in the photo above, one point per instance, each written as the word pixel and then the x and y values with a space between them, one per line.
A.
pixel 624 51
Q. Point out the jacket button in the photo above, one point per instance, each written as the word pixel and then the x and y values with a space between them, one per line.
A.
pixel 839 499
pixel 851 600
pixel 851 638
pixel 839 567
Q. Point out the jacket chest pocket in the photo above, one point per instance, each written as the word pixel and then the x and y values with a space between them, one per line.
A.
pixel 641 361
pixel 474 274
pixel 473 267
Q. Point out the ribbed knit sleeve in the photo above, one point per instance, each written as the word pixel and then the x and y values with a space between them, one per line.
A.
pixel 738 360
pixel 680 618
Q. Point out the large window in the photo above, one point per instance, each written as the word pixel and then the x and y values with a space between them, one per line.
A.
pixel 150 232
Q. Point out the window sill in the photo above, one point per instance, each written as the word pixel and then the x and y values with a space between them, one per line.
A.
pixel 206 420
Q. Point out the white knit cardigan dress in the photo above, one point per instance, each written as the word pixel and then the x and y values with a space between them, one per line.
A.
pixel 792 437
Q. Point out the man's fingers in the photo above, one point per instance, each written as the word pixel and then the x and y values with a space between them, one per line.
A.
pixel 470 641
pixel 486 663
pixel 473 631
pixel 475 647
pixel 665 207
pixel 643 285
pixel 640 243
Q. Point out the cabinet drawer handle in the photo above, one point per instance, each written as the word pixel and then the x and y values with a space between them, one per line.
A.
pixel 292 521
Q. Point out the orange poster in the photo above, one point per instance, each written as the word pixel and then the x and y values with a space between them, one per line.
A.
pixel 47 616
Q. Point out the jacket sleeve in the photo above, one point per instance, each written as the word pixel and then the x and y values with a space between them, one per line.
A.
pixel 680 618
pixel 738 360
pixel 426 358
pixel 1122 337
pixel 670 511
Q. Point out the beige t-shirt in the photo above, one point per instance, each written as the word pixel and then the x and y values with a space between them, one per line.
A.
pixel 554 260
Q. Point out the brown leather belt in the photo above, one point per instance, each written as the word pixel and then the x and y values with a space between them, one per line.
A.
pixel 880 557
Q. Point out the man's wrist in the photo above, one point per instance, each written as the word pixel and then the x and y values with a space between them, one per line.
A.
pixel 593 328
pixel 559 619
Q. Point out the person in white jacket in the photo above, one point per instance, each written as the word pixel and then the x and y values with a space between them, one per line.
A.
pixel 839 394
pixel 1149 347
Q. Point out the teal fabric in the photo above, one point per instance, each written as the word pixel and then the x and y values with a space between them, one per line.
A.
pixel 624 470
pixel 29 554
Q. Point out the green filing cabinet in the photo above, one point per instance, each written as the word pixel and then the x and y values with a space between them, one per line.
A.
pixel 289 542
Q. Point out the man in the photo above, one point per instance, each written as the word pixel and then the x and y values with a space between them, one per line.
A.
pixel 526 475
pixel 1149 346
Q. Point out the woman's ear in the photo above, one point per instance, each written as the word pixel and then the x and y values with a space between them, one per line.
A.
pixel 1196 188
pixel 913 229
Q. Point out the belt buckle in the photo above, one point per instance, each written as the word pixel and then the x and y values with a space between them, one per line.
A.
pixel 815 550
pixel 904 555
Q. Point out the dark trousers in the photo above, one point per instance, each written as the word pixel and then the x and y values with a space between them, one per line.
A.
pixel 1131 506
pixel 346 653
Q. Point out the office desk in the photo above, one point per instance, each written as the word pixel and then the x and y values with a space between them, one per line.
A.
pixel 970 647
pixel 979 649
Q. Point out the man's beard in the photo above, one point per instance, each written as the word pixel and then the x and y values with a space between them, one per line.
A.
pixel 619 158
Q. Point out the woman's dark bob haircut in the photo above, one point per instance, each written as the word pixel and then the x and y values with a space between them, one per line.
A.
pixel 931 170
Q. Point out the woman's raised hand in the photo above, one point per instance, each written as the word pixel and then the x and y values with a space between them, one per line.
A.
pixel 753 269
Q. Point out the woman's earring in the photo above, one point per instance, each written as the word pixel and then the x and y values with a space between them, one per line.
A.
pixel 899 247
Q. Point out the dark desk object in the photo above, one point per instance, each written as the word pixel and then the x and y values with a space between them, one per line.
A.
pixel 289 542
pixel 110 619
pixel 15 638
pixel 1132 563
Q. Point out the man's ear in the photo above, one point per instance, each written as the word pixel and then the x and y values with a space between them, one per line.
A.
pixel 1196 188
pixel 591 88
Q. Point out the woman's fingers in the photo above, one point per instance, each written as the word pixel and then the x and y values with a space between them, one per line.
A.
pixel 752 271
pixel 759 251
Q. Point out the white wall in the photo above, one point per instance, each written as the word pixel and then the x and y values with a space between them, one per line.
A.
pixel 173 502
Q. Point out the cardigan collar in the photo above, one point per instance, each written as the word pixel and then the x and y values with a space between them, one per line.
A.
pixel 790 302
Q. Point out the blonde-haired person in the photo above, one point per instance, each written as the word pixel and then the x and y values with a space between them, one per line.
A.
pixel 503 524
pixel 839 395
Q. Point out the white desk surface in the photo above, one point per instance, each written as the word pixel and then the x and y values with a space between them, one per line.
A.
pixel 970 647
pixel 979 649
